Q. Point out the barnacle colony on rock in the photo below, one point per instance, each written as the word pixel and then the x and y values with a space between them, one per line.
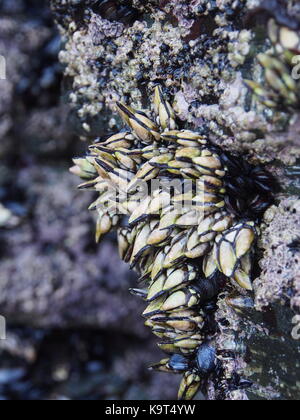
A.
pixel 281 69
pixel 185 235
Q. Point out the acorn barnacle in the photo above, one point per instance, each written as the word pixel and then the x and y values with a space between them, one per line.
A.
pixel 281 67
pixel 187 217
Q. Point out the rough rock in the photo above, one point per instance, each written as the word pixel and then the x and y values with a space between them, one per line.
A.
pixel 200 52
pixel 52 273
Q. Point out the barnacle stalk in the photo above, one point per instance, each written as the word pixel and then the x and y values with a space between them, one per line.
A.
pixel 282 87
pixel 191 213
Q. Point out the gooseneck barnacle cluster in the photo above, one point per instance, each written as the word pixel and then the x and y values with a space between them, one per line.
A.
pixel 186 239
pixel 281 68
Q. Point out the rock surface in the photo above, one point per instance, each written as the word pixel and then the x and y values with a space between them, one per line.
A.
pixel 72 329
pixel 200 52
pixel 52 274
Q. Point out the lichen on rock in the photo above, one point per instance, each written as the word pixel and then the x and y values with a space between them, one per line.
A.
pixel 199 51
pixel 279 280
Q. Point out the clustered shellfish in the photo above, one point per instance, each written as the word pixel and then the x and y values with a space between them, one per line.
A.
pixel 281 69
pixel 184 254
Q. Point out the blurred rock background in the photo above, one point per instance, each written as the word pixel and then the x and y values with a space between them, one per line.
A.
pixel 73 330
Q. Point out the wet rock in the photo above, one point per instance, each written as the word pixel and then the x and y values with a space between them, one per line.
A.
pixel 52 274
pixel 200 52
pixel 75 365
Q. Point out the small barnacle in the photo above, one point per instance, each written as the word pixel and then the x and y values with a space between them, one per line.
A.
pixel 189 386
pixel 192 221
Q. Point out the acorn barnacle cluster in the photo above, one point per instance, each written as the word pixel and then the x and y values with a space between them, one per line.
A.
pixel 186 214
pixel 281 68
